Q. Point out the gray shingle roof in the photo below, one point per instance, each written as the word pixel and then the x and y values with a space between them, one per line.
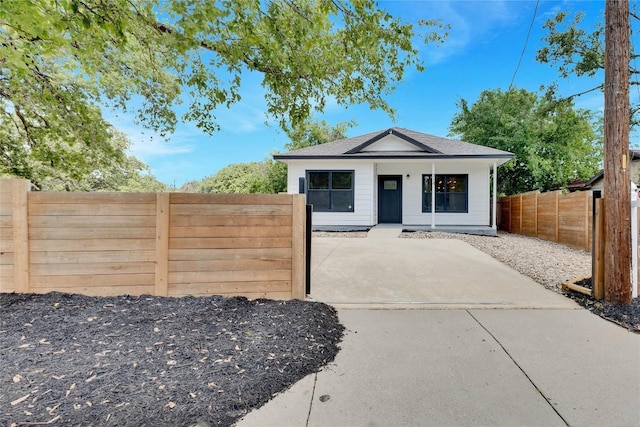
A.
pixel 429 146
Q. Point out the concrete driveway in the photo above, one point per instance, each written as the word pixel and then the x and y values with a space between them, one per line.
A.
pixel 545 366
pixel 419 273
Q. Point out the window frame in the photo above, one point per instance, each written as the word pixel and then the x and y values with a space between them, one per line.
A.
pixel 427 208
pixel 331 191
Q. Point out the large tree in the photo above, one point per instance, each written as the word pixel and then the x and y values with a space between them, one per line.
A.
pixel 553 142
pixel 578 51
pixel 97 162
pixel 242 178
pixel 62 61
pixel 60 57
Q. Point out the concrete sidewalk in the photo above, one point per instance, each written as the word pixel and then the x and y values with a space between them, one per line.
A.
pixel 539 360
pixel 469 367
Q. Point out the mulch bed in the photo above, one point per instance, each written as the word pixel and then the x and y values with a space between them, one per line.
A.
pixel 627 316
pixel 150 361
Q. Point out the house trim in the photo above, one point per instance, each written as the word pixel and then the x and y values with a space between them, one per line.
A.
pixel 400 135
pixel 363 156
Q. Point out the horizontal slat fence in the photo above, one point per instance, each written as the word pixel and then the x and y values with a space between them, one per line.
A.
pixel 166 244
pixel 560 218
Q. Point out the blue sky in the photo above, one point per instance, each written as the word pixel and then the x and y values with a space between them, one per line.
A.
pixel 482 52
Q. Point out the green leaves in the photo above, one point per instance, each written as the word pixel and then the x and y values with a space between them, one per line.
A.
pixel 576 51
pixel 553 142
pixel 62 61
pixel 242 178
pixel 309 133
pixel 573 50
pixel 305 50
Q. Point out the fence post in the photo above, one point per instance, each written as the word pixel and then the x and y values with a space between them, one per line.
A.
pixel 162 245
pixel 634 241
pixel 509 216
pixel 308 234
pixel 557 216
pixel 520 226
pixel 298 246
pixel 586 221
pixel 19 193
pixel 535 213
pixel 597 274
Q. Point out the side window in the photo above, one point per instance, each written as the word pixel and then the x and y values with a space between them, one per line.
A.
pixel 330 191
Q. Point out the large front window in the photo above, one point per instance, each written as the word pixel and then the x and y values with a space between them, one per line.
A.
pixel 330 191
pixel 451 193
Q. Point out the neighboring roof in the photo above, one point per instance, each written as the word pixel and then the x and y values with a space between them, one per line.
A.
pixel 429 146
pixel 633 154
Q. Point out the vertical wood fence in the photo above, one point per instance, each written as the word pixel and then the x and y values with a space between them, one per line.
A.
pixel 560 218
pixel 165 244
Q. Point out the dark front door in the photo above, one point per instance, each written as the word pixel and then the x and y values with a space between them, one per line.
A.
pixel 389 199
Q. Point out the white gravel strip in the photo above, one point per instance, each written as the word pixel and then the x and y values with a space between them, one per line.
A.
pixel 547 263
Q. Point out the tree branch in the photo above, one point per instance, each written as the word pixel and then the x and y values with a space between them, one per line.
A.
pixel 25 125
pixel 575 95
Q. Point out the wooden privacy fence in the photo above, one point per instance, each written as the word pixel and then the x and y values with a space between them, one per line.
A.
pixel 164 244
pixel 560 218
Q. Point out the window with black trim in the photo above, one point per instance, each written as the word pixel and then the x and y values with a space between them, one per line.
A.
pixel 330 191
pixel 452 193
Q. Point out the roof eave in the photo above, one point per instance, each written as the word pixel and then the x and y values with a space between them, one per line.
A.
pixel 396 133
pixel 394 156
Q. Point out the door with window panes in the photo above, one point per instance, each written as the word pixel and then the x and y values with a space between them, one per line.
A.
pixel 390 199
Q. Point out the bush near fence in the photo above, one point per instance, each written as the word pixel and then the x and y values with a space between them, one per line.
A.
pixel 164 244
pixel 561 218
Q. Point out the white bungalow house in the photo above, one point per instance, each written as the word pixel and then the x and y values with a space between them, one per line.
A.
pixel 390 176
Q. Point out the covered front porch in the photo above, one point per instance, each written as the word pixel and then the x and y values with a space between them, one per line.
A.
pixel 439 195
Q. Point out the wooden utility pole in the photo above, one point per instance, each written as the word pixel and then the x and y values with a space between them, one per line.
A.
pixel 617 199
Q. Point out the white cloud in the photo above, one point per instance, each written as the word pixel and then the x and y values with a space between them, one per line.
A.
pixel 151 147
pixel 146 144
pixel 243 118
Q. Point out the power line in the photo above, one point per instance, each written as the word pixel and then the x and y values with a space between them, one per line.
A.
pixel 524 48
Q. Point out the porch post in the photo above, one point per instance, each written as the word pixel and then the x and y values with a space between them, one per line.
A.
pixel 433 195
pixel 495 198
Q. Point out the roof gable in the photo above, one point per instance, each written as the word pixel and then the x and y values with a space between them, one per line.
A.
pixel 395 143
pixel 391 140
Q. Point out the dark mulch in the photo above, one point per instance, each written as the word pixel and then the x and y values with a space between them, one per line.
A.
pixel 148 361
pixel 627 316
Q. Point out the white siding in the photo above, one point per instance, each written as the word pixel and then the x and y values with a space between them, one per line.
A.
pixel 365 197
pixel 391 143
pixel 363 190
pixel 478 191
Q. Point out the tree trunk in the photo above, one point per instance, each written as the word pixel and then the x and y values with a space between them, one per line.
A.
pixel 617 200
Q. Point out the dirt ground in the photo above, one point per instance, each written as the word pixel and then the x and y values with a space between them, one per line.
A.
pixel 74 360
